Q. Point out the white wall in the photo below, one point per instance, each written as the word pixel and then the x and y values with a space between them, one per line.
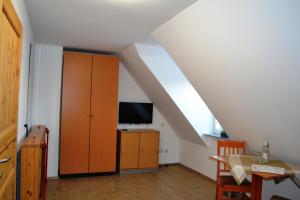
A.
pixel 46 75
pixel 243 59
pixel 129 91
pixel 196 156
pixel 27 40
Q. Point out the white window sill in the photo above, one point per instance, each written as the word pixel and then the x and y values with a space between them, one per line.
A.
pixel 216 135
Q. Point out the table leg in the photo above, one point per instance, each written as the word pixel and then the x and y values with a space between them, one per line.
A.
pixel 256 187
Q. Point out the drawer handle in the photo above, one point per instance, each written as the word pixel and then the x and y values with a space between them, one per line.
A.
pixel 5 160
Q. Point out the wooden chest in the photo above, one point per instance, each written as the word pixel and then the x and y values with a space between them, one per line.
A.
pixel 33 171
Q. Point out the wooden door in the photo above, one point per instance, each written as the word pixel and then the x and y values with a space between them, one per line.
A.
pixel 130 150
pixel 10 53
pixel 149 147
pixel 104 104
pixel 75 113
pixel 7 191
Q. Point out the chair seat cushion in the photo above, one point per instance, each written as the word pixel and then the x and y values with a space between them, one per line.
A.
pixel 230 181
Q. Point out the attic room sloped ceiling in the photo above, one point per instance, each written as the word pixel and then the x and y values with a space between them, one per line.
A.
pixel 178 89
pixel 243 59
pixel 107 25
pixel 158 95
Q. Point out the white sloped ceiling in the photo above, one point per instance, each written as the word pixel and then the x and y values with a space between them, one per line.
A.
pixel 243 58
pixel 158 95
pixel 178 87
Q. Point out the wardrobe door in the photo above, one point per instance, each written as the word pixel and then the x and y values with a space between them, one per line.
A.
pixel 104 104
pixel 75 113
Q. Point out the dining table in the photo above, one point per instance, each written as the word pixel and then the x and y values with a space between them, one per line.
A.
pixel 240 167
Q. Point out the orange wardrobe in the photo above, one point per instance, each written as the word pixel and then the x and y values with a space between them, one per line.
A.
pixel 88 113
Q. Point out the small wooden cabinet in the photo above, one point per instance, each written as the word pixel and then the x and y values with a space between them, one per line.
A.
pixel 33 164
pixel 138 149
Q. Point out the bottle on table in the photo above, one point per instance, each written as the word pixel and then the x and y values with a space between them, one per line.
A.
pixel 266 151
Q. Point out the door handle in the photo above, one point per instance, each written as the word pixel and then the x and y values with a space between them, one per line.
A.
pixel 5 160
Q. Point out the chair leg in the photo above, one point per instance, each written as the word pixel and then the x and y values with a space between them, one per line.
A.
pixel 243 196
pixel 220 194
pixel 217 192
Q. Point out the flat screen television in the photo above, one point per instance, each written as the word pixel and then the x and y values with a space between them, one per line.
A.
pixel 135 113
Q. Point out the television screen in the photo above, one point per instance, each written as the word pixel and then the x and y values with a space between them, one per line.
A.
pixel 135 113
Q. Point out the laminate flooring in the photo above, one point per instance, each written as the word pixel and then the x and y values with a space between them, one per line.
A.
pixel 169 183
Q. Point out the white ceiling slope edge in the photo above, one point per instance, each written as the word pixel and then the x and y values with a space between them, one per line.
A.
pixel 107 25
pixel 243 58
pixel 157 94
pixel 178 88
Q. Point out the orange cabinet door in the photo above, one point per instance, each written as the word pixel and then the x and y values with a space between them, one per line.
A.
pixel 104 109
pixel 75 113
pixel 149 147
pixel 130 150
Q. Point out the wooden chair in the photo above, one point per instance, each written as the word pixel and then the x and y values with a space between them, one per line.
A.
pixel 227 183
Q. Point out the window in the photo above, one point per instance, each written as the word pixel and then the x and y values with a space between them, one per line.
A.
pixel 217 127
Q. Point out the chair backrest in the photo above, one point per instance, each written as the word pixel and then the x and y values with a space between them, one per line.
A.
pixel 229 147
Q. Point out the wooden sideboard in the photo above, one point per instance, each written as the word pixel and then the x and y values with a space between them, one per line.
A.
pixel 138 149
pixel 34 164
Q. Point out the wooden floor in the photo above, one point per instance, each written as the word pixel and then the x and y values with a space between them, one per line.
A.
pixel 170 183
